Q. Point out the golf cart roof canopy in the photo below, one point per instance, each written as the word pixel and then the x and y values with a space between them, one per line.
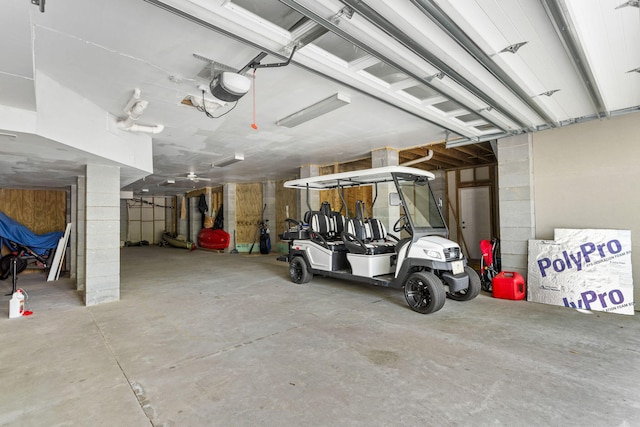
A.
pixel 359 178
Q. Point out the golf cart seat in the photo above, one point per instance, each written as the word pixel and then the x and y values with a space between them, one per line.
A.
pixel 320 231
pixel 377 233
pixel 356 240
pixel 336 221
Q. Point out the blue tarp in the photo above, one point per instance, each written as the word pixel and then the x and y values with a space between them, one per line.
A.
pixel 11 229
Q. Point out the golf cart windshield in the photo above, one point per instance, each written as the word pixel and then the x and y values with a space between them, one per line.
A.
pixel 420 206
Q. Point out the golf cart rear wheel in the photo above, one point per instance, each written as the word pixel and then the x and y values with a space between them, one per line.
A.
pixel 298 271
pixel 472 291
pixel 424 292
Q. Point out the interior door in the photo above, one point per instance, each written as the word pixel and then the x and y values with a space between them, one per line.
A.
pixel 475 217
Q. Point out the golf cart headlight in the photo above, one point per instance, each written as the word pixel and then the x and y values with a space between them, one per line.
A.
pixel 433 254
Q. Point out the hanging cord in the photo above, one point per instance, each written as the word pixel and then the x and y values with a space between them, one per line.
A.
pixel 203 109
pixel 253 94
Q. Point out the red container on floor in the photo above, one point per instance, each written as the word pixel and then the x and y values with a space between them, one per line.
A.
pixel 213 239
pixel 509 285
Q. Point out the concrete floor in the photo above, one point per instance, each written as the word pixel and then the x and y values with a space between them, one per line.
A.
pixel 206 339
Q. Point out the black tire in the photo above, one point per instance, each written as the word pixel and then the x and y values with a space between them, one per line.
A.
pixel 5 266
pixel 472 291
pixel 298 271
pixel 424 292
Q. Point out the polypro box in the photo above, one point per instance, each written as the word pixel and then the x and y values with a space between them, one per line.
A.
pixel 587 269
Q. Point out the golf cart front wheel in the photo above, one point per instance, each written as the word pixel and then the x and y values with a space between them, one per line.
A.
pixel 472 291
pixel 298 271
pixel 424 292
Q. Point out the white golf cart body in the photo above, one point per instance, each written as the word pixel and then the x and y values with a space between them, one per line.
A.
pixel 428 265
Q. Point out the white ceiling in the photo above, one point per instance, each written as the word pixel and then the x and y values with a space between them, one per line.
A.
pixel 384 57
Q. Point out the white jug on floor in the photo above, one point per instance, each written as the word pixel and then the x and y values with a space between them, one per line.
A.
pixel 16 304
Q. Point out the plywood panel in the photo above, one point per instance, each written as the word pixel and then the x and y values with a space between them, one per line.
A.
pixel 216 198
pixel 27 215
pixel 285 197
pixel 351 195
pixel 248 211
pixel 42 211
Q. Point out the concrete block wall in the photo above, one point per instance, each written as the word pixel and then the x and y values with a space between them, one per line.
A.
pixel 80 233
pixel 182 223
pixel 229 211
pixel 195 217
pixel 381 210
pixel 102 234
pixel 269 197
pixel 516 201
pixel 72 212
pixel 314 196
pixel 439 188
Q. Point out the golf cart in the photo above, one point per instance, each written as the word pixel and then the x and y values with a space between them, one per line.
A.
pixel 419 258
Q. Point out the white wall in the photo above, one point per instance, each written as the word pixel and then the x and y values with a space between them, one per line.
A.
pixel 588 176
pixel 70 119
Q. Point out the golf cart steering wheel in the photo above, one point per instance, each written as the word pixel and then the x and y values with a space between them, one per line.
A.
pixel 402 224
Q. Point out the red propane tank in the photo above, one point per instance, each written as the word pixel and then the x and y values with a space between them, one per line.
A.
pixel 509 285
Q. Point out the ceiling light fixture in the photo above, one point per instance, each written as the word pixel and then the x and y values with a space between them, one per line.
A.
pixel 316 110
pixel 229 161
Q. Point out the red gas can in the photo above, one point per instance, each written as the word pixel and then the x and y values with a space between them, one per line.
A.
pixel 509 285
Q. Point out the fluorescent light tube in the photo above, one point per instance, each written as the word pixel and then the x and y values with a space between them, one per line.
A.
pixel 229 161
pixel 316 110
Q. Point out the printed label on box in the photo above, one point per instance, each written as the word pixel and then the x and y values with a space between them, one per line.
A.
pixel 587 269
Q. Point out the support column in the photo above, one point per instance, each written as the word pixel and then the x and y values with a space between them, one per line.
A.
pixel 229 211
pixel 516 201
pixel 269 197
pixel 314 196
pixel 72 214
pixel 80 226
pixel 195 218
pixel 381 209
pixel 439 188
pixel 102 234
pixel 182 225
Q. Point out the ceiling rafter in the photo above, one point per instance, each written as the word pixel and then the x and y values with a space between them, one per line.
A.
pixel 559 16
pixel 440 18
pixel 394 32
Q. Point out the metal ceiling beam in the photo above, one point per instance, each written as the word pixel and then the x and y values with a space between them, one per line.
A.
pixel 372 51
pixel 378 20
pixel 559 16
pixel 440 18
